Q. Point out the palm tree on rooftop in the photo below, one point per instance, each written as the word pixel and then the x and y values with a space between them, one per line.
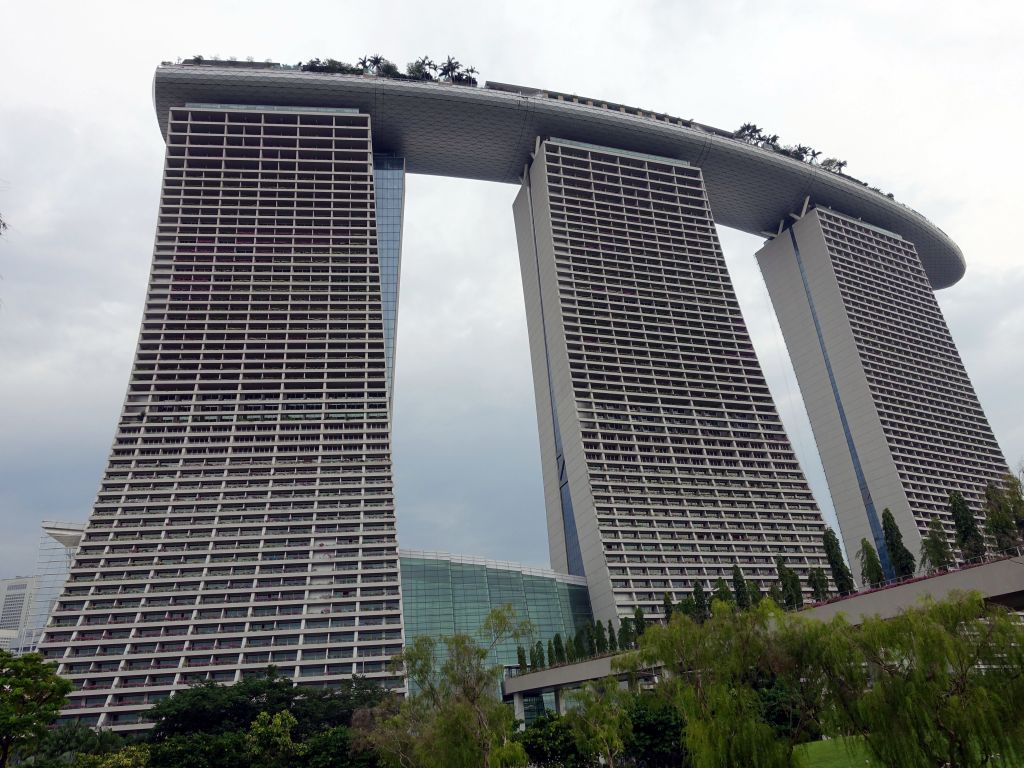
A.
pixel 449 69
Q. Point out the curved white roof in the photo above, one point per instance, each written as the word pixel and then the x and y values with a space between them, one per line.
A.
pixel 489 133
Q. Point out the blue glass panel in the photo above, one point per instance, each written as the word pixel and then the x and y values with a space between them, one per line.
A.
pixel 389 189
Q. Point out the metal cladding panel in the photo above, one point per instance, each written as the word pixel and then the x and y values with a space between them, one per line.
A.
pixel 486 134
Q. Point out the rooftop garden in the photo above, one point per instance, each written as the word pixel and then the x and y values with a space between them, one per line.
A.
pixel 424 68
pixel 749 133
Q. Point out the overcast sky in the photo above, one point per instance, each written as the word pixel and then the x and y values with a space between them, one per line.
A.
pixel 923 99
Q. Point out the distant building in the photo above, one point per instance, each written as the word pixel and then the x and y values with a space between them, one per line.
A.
pixel 17 597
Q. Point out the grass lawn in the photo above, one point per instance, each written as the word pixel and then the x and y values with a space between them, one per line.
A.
pixel 835 753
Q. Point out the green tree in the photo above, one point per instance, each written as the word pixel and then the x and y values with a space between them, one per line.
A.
pixel 600 638
pixel 775 594
pixel 870 566
pixel 521 658
pixel 421 69
pixel 613 644
pixel 902 561
pixel 968 536
pixel 31 696
pixel 130 756
pixel 713 673
pixel 550 742
pixel 269 740
pixel 559 649
pixel 589 640
pixel 571 655
pixel 639 622
pixel 551 653
pixel 655 737
pixel 334 748
pixel 935 552
pixel 454 718
pixel 755 593
pixel 841 575
pixel 946 684
pixel 535 661
pixel 701 606
pixel 740 588
pixel 789 583
pixel 1000 524
pixel 722 592
pixel 625 633
pixel 582 649
pixel 600 719
pixel 818 582
pixel 213 708
pixel 1013 487
pixel 666 606
pixel 200 750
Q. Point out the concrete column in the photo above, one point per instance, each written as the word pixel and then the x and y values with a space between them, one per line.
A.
pixel 519 709
pixel 559 701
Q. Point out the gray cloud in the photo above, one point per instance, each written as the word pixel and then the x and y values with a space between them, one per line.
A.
pixel 920 98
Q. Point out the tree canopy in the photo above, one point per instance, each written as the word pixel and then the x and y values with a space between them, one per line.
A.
pixel 31 696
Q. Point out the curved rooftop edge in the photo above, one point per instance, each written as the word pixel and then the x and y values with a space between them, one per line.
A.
pixel 488 134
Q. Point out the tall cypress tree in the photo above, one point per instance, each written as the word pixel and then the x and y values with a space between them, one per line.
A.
pixel 871 572
pixel 613 643
pixel 818 582
pixel 639 622
pixel 559 648
pixel 789 584
pixel 701 609
pixel 521 658
pixel 625 633
pixel 968 537
pixel 600 638
pixel 999 522
pixel 540 655
pixel 840 571
pixel 571 655
pixel 666 606
pixel 722 591
pixel 739 588
pixel 903 562
pixel 551 653
pixel 935 552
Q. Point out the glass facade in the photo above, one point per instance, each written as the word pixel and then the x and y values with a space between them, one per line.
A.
pixel 389 185
pixel 445 594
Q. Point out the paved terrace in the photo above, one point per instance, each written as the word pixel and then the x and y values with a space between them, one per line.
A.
pixel 999 581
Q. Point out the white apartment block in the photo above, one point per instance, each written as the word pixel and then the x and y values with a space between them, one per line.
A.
pixel 17 597
pixel 246 515
pixel 665 462
pixel 895 417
